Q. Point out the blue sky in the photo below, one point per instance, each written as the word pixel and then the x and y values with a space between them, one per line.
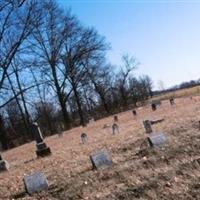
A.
pixel 163 35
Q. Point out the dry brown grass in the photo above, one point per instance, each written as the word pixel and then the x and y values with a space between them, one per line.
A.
pixel 180 93
pixel 139 172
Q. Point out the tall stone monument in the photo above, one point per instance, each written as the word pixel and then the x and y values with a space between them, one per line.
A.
pixel 42 149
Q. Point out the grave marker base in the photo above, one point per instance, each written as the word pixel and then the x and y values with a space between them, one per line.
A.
pixel 43 152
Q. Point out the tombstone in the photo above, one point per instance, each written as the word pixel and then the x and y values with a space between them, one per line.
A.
pixel 157 140
pixel 4 166
pixel 199 125
pixel 134 112
pixel 147 126
pixel 84 138
pixel 101 160
pixel 42 149
pixel 60 129
pixel 36 182
pixel 155 103
pixel 171 100
pixel 115 128
pixel 115 118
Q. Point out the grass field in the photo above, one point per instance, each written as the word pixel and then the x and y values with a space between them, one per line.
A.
pixel 138 172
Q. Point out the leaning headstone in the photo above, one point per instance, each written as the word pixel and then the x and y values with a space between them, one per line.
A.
pixel 153 106
pixel 36 182
pixel 115 128
pixel 101 160
pixel 84 138
pixel 42 149
pixel 147 126
pixel 157 140
pixel 4 166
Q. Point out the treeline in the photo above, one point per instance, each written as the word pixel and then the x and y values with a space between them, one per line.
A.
pixel 183 85
pixel 54 70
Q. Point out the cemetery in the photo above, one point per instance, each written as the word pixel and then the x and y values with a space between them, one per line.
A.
pixel 111 166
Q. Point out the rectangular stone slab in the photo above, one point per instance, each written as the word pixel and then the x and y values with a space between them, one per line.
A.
pixel 157 140
pixel 35 182
pixel 101 160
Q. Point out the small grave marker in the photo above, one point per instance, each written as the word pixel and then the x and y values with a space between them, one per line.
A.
pixel 171 100
pixel 115 128
pixel 101 160
pixel 84 138
pixel 35 183
pixel 147 126
pixel 155 103
pixel 134 113
pixel 115 118
pixel 4 166
pixel 42 149
pixel 157 140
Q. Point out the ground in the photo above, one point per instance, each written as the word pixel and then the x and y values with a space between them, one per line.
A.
pixel 138 172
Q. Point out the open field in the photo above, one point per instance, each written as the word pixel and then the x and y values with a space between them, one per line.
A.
pixel 180 93
pixel 139 172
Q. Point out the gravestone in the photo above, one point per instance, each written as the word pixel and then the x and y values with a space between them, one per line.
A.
pixel 42 149
pixel 101 160
pixel 155 103
pixel 4 166
pixel 147 126
pixel 84 138
pixel 134 112
pixel 171 100
pixel 157 140
pixel 36 182
pixel 115 118
pixel 115 128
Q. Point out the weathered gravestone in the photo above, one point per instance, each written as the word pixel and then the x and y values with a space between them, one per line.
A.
pixel 101 160
pixel 157 140
pixel 154 104
pixel 171 100
pixel 35 183
pixel 4 166
pixel 134 112
pixel 115 118
pixel 115 128
pixel 147 126
pixel 84 138
pixel 42 149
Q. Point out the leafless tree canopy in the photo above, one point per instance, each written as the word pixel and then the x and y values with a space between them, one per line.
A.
pixel 54 70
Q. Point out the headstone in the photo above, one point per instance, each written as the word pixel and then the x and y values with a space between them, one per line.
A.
pixel 35 183
pixel 157 140
pixel 42 149
pixel 101 160
pixel 115 118
pixel 155 103
pixel 171 100
pixel 134 112
pixel 199 125
pixel 115 128
pixel 4 166
pixel 147 126
pixel 84 138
